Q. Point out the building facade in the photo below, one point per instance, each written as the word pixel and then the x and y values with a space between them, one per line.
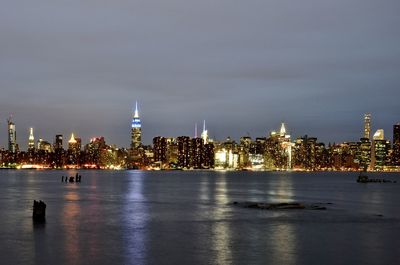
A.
pixel 31 140
pixel 12 137
pixel 396 145
pixel 367 126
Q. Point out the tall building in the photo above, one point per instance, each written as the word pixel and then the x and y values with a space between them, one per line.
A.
pixel 379 135
pixel 73 143
pixel 93 151
pixel 196 153
pixel 58 143
pixel 208 155
pixel 367 126
pixel 58 151
pixel 43 145
pixel 277 150
pixel 183 151
pixel 172 152
pixel 244 150
pixel 226 154
pixel 305 153
pixel 379 150
pixel 364 153
pixel 343 156
pixel 286 148
pixel 396 145
pixel 74 148
pixel 160 149
pixel 12 137
pixel 78 143
pixel 136 130
pixel 31 140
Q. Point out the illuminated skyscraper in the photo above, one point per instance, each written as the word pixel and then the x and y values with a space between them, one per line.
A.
pixel 31 140
pixel 379 150
pixel 44 145
pixel 58 143
pixel 286 146
pixel 136 131
pixel 196 153
pixel 72 143
pixel 305 153
pixel 379 135
pixel 367 126
pixel 74 148
pixel 396 145
pixel 183 151
pixel 94 150
pixel 208 155
pixel 58 151
pixel 160 148
pixel 12 136
pixel 364 153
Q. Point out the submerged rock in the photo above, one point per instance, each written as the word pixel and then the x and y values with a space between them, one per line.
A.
pixel 280 206
pixel 365 179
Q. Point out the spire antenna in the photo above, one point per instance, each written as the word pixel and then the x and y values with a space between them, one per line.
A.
pixel 204 134
pixel 136 115
pixel 283 129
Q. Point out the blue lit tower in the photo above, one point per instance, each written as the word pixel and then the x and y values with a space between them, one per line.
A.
pixel 136 130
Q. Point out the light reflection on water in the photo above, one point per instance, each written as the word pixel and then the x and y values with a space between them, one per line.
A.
pixel 135 217
pixel 282 190
pixel 221 231
pixel 204 194
pixel 94 212
pixel 282 236
pixel 283 239
pixel 70 217
pixel 134 220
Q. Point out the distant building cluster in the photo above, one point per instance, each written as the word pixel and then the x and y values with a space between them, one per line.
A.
pixel 276 151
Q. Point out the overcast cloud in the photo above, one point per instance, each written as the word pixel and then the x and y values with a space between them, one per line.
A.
pixel 243 66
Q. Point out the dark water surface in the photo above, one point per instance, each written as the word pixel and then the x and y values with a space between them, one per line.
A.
pixel 134 217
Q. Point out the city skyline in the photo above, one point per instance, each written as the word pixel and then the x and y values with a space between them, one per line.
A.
pixel 243 67
pixel 135 138
pixel 275 151
pixel 200 132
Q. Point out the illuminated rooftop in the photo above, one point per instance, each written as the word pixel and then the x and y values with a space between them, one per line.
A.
pixel 72 140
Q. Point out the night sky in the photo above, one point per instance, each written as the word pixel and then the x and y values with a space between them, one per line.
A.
pixel 243 66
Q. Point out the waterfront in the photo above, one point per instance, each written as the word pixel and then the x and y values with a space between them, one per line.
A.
pixel 179 217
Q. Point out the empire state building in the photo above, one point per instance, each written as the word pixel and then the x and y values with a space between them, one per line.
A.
pixel 136 130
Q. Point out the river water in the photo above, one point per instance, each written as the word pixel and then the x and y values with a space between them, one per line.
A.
pixel 182 217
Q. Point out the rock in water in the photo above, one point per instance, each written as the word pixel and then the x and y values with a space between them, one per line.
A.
pixel 280 206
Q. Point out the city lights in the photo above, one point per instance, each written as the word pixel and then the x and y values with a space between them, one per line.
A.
pixel 276 151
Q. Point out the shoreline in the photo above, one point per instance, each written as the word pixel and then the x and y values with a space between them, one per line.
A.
pixel 216 170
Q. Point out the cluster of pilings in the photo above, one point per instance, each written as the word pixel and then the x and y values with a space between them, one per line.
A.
pixel 39 207
pixel 77 178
